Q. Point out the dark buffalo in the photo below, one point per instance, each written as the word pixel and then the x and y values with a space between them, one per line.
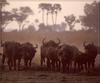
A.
pixel 28 52
pixel 87 58
pixel 91 52
pixel 11 52
pixel 80 60
pixel 45 50
pixel 53 61
pixel 67 53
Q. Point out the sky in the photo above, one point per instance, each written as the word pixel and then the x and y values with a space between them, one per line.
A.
pixel 75 7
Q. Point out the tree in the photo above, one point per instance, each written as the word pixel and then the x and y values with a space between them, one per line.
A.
pixel 30 28
pixel 6 17
pixel 57 8
pixel 90 19
pixel 48 9
pixel 63 26
pixel 71 21
pixel 21 14
pixel 52 14
pixel 41 27
pixel 2 4
pixel 42 6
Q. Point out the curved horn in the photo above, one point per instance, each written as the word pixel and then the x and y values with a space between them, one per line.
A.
pixel 58 41
pixel 84 43
pixel 43 41
pixel 36 46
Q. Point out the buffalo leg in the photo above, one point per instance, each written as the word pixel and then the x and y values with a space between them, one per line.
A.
pixel 48 64
pixel 89 65
pixel 93 64
pixel 41 62
pixel 3 60
pixel 63 66
pixel 9 64
pixel 86 66
pixel 75 68
pixel 26 62
pixel 79 67
pixel 14 64
pixel 19 60
pixel 30 62
pixel 53 65
pixel 59 65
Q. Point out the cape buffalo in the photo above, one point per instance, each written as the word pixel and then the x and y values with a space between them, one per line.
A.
pixel 80 60
pixel 28 52
pixel 45 50
pixel 91 52
pixel 67 53
pixel 11 52
pixel 86 58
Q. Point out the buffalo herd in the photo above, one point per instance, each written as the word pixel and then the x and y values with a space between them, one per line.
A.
pixel 56 56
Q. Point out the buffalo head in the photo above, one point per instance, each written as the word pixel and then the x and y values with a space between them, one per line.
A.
pixel 36 46
pixel 88 45
pixel 50 42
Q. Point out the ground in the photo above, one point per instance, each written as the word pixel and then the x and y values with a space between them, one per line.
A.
pixel 45 77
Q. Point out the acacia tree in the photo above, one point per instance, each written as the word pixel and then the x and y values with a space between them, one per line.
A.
pixel 91 17
pixel 21 14
pixel 6 17
pixel 71 21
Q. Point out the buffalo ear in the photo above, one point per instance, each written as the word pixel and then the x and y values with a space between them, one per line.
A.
pixel 58 41
pixel 85 43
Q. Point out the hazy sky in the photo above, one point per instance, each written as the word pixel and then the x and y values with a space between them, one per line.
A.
pixel 75 7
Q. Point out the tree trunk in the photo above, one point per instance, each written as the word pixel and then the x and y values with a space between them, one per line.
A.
pixel 19 26
pixel 43 16
pixel 47 19
pixel 56 19
pixel 52 19
pixel 23 27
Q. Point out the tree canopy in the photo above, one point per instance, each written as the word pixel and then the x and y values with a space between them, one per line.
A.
pixel 71 21
pixel 19 14
pixel 91 17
